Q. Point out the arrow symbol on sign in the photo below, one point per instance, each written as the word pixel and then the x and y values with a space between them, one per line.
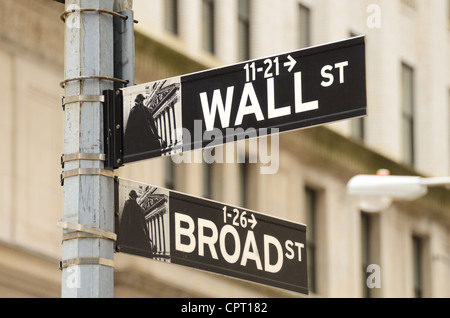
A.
pixel 253 221
pixel 291 63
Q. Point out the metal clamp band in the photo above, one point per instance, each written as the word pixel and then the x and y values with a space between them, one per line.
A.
pixel 66 13
pixel 83 156
pixel 82 78
pixel 83 98
pixel 86 261
pixel 87 172
pixel 76 235
pixel 92 231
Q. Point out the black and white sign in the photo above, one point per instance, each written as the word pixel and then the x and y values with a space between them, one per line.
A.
pixel 177 228
pixel 290 91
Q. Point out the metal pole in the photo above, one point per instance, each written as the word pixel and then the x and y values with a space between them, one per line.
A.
pixel 122 5
pixel 88 218
pixel 124 43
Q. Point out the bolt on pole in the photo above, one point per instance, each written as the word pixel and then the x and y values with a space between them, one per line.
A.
pixel 87 249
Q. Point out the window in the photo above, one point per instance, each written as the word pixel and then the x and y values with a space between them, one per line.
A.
pixel 244 29
pixel 207 182
pixel 421 262
pixel 370 253
pixel 244 175
pixel 171 15
pixel 305 26
pixel 418 266
pixel 357 124
pixel 311 240
pixel 365 250
pixel 408 113
pixel 208 25
pixel 169 174
pixel 358 128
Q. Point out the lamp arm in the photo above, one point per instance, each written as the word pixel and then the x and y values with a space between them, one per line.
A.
pixel 436 182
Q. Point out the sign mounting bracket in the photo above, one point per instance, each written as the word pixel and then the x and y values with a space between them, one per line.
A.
pixel 113 128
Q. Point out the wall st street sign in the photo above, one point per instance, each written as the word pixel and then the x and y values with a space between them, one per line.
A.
pixel 294 90
pixel 173 227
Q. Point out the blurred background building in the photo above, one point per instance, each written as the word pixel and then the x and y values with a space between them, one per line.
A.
pixel 407 131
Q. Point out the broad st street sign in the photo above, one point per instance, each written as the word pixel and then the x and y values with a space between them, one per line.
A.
pixel 294 90
pixel 177 228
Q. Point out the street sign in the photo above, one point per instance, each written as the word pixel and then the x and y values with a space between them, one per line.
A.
pixel 294 90
pixel 172 227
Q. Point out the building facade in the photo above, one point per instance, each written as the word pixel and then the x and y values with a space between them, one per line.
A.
pixel 402 251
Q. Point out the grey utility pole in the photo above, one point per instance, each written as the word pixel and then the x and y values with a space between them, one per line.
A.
pixel 88 218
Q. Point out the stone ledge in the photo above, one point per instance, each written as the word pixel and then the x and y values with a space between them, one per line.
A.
pixel 24 273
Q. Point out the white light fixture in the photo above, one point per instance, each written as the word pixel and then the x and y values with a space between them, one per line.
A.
pixel 376 192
